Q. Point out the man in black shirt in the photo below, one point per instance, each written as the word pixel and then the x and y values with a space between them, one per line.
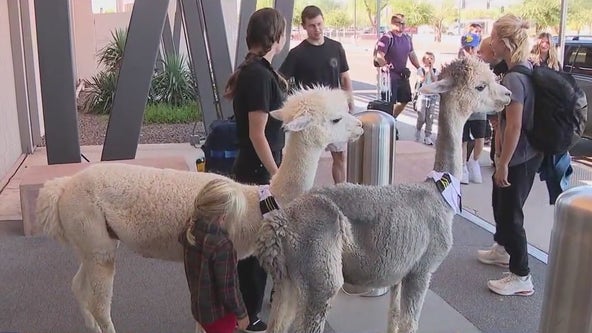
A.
pixel 319 60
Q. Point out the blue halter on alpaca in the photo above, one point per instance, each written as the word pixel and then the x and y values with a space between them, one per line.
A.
pixel 267 202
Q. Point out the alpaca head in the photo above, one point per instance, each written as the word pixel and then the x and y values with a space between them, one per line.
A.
pixel 468 86
pixel 319 116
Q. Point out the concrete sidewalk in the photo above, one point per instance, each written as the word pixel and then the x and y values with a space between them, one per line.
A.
pixel 150 295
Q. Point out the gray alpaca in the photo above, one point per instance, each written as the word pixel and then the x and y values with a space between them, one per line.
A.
pixel 373 236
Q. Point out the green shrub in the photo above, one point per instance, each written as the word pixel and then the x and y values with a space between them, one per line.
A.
pixel 174 84
pixel 100 93
pixel 111 55
pixel 166 114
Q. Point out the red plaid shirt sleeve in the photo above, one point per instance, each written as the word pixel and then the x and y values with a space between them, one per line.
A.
pixel 226 280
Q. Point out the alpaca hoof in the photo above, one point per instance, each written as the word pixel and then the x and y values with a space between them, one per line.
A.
pixel 377 292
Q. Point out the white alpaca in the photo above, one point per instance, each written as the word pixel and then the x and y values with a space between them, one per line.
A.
pixel 147 208
pixel 374 236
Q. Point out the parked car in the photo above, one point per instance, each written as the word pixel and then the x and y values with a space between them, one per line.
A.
pixel 578 61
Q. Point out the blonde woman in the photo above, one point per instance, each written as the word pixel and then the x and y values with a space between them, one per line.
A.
pixel 544 52
pixel 516 162
pixel 210 258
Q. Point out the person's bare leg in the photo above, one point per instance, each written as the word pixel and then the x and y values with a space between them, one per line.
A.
pixel 338 168
pixel 479 143
pixel 464 153
pixel 398 109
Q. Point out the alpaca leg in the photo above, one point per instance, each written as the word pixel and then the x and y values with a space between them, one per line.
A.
pixel 311 316
pixel 395 309
pixel 100 280
pixel 283 308
pixel 413 290
pixel 80 289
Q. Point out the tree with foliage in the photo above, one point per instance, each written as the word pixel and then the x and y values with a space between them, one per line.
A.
pixel 370 9
pixel 265 3
pixel 579 14
pixel 416 12
pixel 543 13
pixel 443 14
pixel 338 18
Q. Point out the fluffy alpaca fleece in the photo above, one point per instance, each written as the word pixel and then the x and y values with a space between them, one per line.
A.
pixel 373 236
pixel 147 208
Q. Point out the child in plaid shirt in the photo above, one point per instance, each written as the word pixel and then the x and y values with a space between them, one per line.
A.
pixel 210 258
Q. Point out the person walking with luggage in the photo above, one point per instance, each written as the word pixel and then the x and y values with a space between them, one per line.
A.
pixel 319 60
pixel 210 258
pixel 516 162
pixel 427 102
pixel 392 50
pixel 256 89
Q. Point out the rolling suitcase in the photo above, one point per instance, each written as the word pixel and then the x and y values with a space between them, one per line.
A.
pixel 383 93
pixel 383 100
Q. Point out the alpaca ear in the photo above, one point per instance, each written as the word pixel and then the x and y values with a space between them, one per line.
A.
pixel 437 87
pixel 299 123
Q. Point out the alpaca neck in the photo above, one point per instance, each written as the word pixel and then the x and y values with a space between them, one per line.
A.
pixel 448 145
pixel 297 171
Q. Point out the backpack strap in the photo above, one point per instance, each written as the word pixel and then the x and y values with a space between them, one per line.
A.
pixel 391 37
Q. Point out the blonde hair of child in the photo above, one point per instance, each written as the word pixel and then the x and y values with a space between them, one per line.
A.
pixel 219 198
pixel 513 31
pixel 429 55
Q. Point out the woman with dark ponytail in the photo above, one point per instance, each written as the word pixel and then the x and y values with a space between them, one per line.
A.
pixel 256 89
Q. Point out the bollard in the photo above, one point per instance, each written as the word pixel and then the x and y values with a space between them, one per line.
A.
pixel 370 159
pixel 567 304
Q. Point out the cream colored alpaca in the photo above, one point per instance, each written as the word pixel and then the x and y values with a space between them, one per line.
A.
pixel 147 208
pixel 374 236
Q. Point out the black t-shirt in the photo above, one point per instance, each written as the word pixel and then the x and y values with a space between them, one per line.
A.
pixel 312 64
pixel 500 68
pixel 258 89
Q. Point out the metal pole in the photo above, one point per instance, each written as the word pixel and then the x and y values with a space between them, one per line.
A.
pixel 355 20
pixel 561 40
pixel 459 7
pixel 377 18
pixel 567 303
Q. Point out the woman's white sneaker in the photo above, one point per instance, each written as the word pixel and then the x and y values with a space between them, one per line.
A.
pixel 512 285
pixel 495 255
pixel 474 169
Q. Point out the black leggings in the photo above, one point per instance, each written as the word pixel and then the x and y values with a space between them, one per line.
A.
pixel 508 203
pixel 252 277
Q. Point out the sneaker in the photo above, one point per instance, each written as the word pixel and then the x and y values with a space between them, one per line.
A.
pixel 465 175
pixel 474 171
pixel 417 135
pixel 257 326
pixel 428 141
pixel 512 285
pixel 495 255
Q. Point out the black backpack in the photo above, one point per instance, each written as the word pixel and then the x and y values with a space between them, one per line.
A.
pixel 221 146
pixel 560 109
